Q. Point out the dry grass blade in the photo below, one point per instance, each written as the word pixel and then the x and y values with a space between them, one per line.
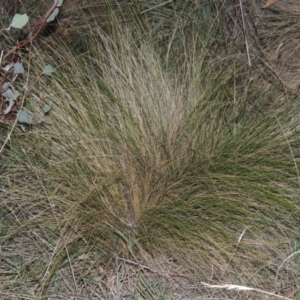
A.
pixel 245 33
pixel 269 3
pixel 244 288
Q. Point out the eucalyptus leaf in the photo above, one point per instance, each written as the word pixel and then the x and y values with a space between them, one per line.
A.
pixel 42 120
pixel 48 70
pixel 25 117
pixel 59 2
pixel 19 21
pixel 5 86
pixel 9 107
pixel 18 68
pixel 11 96
pixel 7 67
pixel 9 92
pixel 53 15
pixel 47 107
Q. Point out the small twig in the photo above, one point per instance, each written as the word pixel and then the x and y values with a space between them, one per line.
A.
pixel 29 36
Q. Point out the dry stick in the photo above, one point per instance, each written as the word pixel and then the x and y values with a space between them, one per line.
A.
pixel 244 27
pixel 28 36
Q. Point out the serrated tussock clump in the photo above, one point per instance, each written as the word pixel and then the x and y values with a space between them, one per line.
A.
pixel 165 157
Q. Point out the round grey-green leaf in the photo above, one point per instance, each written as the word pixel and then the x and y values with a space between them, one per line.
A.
pixel 18 68
pixel 48 70
pixel 47 107
pixel 19 21
pixel 25 117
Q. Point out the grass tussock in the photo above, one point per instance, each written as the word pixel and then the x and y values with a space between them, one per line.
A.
pixel 151 168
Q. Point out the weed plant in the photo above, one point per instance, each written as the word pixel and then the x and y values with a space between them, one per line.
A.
pixel 150 168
